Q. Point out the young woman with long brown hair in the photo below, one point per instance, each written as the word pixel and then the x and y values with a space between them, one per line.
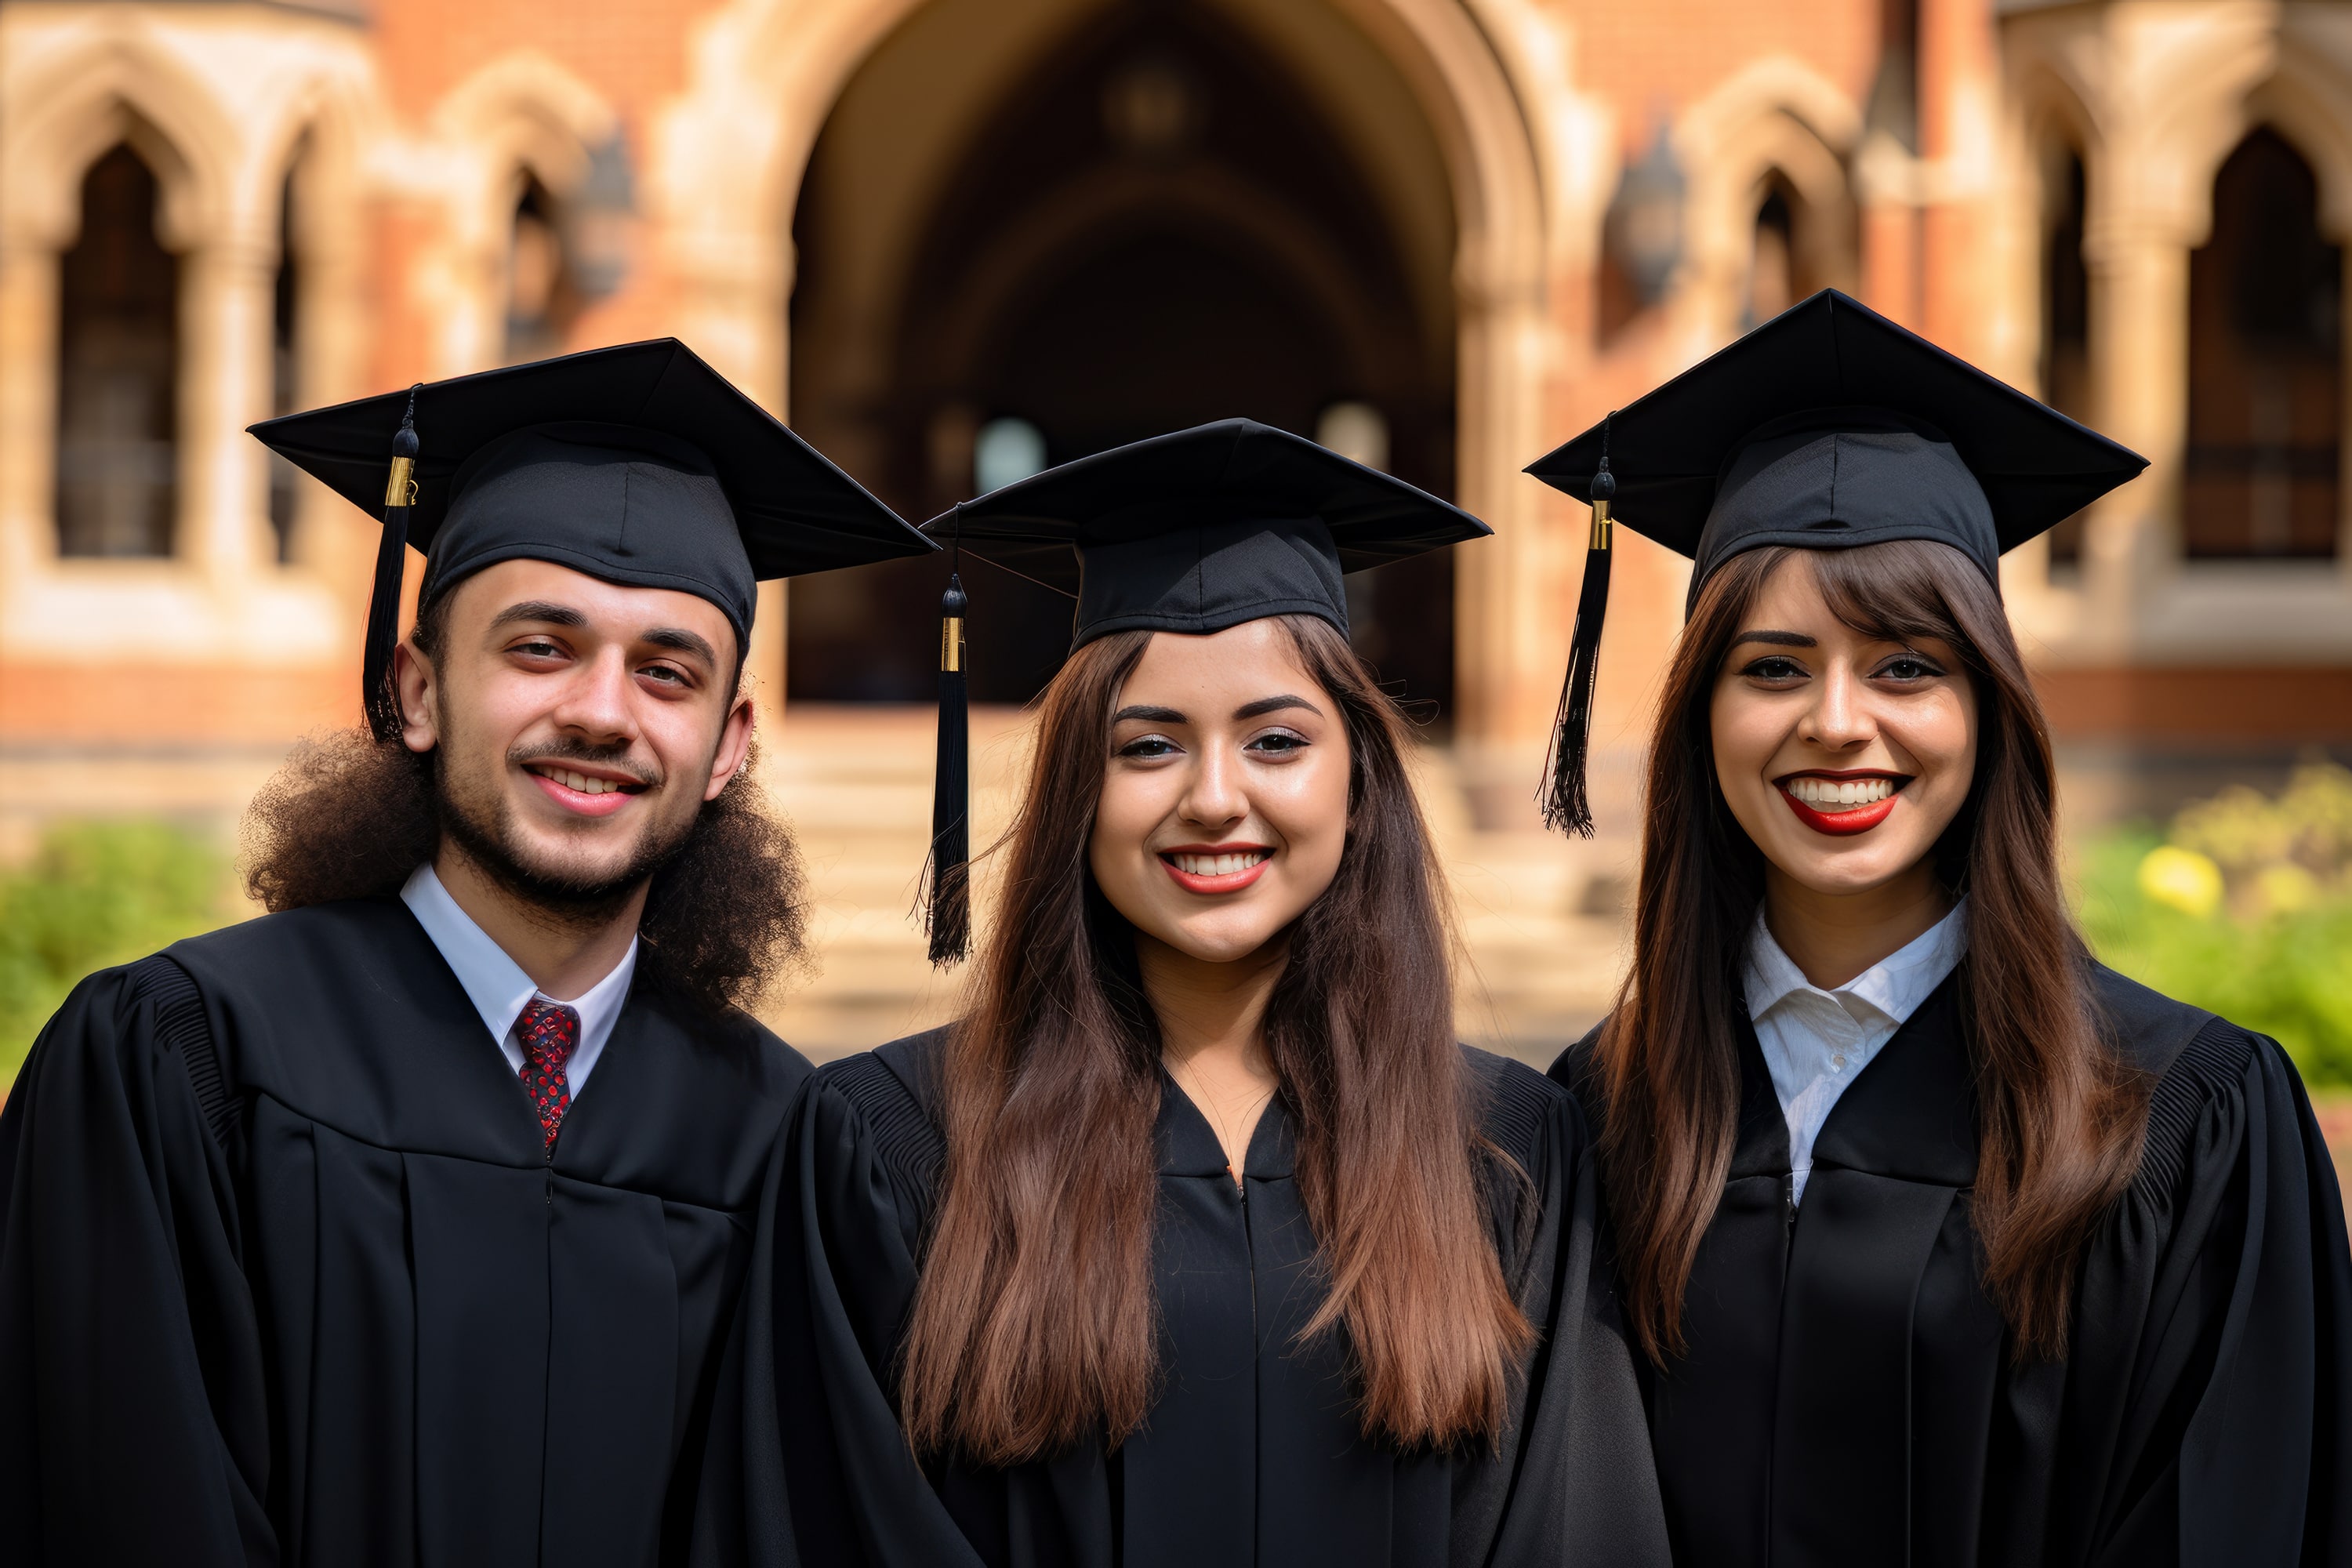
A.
pixel 1941 1242
pixel 1199 1239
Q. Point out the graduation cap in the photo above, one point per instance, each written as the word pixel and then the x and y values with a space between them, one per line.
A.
pixel 1191 532
pixel 1827 427
pixel 638 465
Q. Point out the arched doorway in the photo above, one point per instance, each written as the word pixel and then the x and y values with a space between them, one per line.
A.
pixel 1152 220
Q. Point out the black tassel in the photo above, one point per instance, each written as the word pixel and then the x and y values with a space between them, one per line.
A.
pixel 379 698
pixel 948 920
pixel 1565 800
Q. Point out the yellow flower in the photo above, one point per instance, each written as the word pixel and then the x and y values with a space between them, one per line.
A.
pixel 2181 879
pixel 2285 889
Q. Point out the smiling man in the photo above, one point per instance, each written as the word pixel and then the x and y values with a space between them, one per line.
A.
pixel 405 1223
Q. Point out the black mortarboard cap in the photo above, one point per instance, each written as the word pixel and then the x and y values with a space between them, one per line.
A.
pixel 1827 427
pixel 638 464
pixel 1203 529
pixel 1192 532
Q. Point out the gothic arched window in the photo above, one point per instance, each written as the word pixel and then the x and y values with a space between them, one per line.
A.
pixel 543 296
pixel 118 368
pixel 2266 364
pixel 1776 271
pixel 285 356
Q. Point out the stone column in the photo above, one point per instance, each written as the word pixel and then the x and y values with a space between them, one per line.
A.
pixel 227 297
pixel 1511 610
pixel 28 373
pixel 1958 140
pixel 2137 258
pixel 336 319
pixel 1890 250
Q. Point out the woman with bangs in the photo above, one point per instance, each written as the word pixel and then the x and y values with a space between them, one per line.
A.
pixel 1940 1242
pixel 1198 1239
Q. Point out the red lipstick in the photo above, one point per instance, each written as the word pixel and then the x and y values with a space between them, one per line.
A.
pixel 1851 820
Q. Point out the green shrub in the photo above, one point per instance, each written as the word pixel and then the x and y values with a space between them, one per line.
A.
pixel 95 894
pixel 2244 906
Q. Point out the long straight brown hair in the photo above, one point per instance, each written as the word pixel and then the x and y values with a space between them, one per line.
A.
pixel 1036 1326
pixel 2060 1115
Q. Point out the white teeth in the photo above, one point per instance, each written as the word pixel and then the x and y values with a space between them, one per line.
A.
pixel 1842 793
pixel 581 781
pixel 1217 865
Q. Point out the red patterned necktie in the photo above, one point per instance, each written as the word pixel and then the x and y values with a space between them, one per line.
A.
pixel 550 1033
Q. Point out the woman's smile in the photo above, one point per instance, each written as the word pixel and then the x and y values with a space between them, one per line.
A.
pixel 1216 868
pixel 1842 803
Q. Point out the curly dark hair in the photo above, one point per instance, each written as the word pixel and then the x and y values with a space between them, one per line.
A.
pixel 725 919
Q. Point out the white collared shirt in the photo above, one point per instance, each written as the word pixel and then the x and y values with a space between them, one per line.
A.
pixel 499 988
pixel 1816 1042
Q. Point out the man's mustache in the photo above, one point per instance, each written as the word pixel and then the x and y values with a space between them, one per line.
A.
pixel 574 751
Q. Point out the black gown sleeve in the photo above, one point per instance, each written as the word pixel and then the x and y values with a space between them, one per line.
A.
pixel 2257 1485
pixel 1575 1483
pixel 829 1475
pixel 2204 1416
pixel 134 1410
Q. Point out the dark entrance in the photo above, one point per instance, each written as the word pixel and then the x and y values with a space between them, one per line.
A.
pixel 1155 229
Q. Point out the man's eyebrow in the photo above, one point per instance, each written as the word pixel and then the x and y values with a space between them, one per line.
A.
pixel 1778 639
pixel 1148 715
pixel 684 641
pixel 1265 705
pixel 544 611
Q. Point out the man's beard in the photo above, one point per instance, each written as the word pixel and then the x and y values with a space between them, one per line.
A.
pixel 484 832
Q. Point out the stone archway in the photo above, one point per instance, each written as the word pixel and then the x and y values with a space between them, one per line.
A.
pixel 1152 222
pixel 1775 135
pixel 519 121
pixel 1489 77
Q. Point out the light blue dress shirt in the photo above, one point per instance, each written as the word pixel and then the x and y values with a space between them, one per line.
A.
pixel 499 988
pixel 1816 1042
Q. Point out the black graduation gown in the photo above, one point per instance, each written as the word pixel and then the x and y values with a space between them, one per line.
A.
pixel 1848 1396
pixel 1252 1451
pixel 318 1293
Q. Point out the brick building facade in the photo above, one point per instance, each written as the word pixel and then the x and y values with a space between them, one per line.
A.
pixel 941 234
